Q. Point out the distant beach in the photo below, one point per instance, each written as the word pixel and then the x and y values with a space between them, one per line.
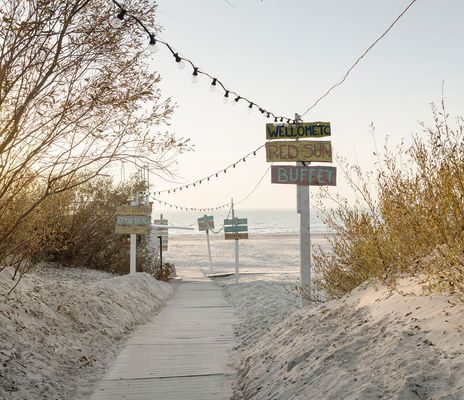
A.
pixel 262 254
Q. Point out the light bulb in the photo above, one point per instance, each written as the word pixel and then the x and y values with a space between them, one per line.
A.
pixel 195 75
pixel 116 22
pixel 181 64
pixel 212 87
pixel 225 100
pixel 152 47
pixel 249 110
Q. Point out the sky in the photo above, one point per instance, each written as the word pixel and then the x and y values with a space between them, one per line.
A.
pixel 283 55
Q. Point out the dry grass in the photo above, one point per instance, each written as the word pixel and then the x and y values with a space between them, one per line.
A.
pixel 408 219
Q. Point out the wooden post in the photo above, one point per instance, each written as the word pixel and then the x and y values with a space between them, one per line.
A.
pixel 161 251
pixel 237 255
pixel 133 246
pixel 303 209
pixel 209 252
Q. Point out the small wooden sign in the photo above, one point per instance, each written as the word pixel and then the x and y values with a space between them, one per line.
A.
pixel 236 228
pixel 163 232
pixel 134 210
pixel 236 236
pixel 137 229
pixel 206 223
pixel 133 220
pixel 236 221
pixel 298 131
pixel 304 175
pixel 301 150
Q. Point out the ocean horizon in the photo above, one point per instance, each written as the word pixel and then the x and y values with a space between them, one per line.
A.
pixel 260 221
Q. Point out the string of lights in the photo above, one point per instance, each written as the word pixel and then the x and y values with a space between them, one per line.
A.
pixel 183 208
pixel 213 175
pixel 345 76
pixel 218 231
pixel 117 22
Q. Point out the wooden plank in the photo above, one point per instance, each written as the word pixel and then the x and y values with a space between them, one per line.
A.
pixel 206 218
pixel 134 210
pixel 133 220
pixel 302 150
pixel 304 175
pixel 137 229
pixel 300 130
pixel 183 353
pixel 205 225
pixel 230 236
pixel 236 228
pixel 236 221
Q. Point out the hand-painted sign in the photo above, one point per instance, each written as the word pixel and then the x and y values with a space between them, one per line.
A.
pixel 298 131
pixel 304 175
pixel 236 236
pixel 134 210
pixel 163 232
pixel 236 221
pixel 133 219
pixel 206 223
pixel 137 229
pixel 301 150
pixel 236 228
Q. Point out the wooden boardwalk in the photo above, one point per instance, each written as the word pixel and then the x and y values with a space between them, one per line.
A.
pixel 183 353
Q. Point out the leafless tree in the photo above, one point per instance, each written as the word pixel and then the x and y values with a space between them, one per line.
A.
pixel 76 95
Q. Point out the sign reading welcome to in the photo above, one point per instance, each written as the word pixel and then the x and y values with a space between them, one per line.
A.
pixel 298 131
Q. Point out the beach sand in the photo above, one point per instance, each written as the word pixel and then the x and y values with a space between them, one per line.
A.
pixel 261 256
pixel 61 329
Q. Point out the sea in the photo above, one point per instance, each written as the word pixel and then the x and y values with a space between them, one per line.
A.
pixel 260 221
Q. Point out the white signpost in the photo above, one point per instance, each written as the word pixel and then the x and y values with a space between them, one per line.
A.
pixel 302 175
pixel 236 229
pixel 206 223
pixel 134 219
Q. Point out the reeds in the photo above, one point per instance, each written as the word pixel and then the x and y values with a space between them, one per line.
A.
pixel 408 218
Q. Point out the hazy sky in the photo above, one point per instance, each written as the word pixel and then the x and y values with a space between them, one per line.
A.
pixel 285 54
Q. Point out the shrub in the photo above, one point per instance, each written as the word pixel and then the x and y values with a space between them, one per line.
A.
pixel 408 219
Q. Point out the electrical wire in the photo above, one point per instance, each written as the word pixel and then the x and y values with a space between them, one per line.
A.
pixel 256 187
pixel 340 82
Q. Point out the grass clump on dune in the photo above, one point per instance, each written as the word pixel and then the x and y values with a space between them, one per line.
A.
pixel 408 219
